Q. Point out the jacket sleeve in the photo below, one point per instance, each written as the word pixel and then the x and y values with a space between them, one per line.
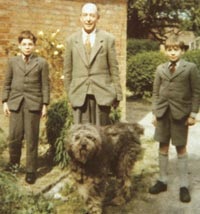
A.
pixel 68 65
pixel 45 82
pixel 113 67
pixel 156 89
pixel 195 86
pixel 7 82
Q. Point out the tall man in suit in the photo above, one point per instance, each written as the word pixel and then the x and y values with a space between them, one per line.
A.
pixel 176 96
pixel 91 71
pixel 25 98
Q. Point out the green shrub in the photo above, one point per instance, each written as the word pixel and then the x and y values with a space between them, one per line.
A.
pixel 135 46
pixel 140 72
pixel 56 118
pixel 61 156
pixel 14 200
pixel 115 115
pixel 193 56
pixel 59 119
pixel 2 140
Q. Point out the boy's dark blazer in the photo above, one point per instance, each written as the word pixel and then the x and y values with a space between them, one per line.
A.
pixel 179 91
pixel 28 81
pixel 100 71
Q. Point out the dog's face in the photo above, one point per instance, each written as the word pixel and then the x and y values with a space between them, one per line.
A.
pixel 120 131
pixel 84 142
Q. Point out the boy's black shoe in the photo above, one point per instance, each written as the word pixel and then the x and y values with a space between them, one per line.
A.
pixel 158 187
pixel 184 194
pixel 30 177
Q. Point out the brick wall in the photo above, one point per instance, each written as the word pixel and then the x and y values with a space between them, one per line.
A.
pixel 49 15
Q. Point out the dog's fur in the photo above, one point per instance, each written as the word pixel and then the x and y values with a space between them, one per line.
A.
pixel 99 153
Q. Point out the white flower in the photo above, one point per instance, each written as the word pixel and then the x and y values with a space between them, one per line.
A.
pixel 41 33
pixel 55 53
pixel 60 46
pixel 53 35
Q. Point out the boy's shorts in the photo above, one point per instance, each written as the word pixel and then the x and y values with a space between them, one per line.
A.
pixel 168 129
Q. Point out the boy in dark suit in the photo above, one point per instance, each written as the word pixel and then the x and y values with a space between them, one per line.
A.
pixel 25 98
pixel 176 94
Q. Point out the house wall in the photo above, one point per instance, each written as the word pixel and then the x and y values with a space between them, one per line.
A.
pixel 50 15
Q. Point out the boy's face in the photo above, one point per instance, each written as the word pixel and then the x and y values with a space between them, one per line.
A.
pixel 173 53
pixel 27 47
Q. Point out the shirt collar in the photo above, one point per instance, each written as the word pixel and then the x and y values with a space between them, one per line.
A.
pixel 85 34
pixel 92 36
pixel 177 63
pixel 23 56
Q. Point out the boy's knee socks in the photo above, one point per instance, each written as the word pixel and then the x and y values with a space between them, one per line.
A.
pixel 163 164
pixel 183 170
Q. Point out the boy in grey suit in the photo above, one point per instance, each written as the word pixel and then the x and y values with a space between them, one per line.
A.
pixel 91 70
pixel 25 98
pixel 176 96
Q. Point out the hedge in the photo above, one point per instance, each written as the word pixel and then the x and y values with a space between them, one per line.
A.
pixel 140 72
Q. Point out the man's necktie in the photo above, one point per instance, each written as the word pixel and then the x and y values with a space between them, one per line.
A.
pixel 88 45
pixel 26 58
pixel 172 67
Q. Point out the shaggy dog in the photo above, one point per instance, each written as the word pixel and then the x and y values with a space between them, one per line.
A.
pixel 99 153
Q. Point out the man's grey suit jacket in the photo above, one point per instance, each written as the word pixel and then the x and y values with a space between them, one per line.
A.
pixel 100 71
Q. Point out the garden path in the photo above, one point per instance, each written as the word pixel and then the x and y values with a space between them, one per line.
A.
pixel 166 202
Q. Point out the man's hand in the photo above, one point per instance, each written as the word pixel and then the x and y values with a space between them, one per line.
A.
pixel 44 111
pixel 115 103
pixel 190 121
pixel 154 120
pixel 6 109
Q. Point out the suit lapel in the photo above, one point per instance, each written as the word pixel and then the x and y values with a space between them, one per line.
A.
pixel 20 63
pixel 97 46
pixel 80 47
pixel 95 49
pixel 26 68
pixel 33 61
pixel 166 71
pixel 179 69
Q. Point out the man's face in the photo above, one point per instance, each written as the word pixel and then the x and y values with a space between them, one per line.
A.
pixel 89 17
pixel 27 47
pixel 173 53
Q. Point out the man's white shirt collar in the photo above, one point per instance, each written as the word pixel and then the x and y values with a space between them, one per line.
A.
pixel 92 36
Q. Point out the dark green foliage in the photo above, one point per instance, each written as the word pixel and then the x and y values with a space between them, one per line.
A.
pixel 135 46
pixel 140 72
pixel 193 56
pixel 61 156
pixel 2 140
pixel 59 119
pixel 14 200
pixel 115 115
pixel 56 118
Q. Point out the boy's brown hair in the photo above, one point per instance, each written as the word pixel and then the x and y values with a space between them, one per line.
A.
pixel 175 41
pixel 27 34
